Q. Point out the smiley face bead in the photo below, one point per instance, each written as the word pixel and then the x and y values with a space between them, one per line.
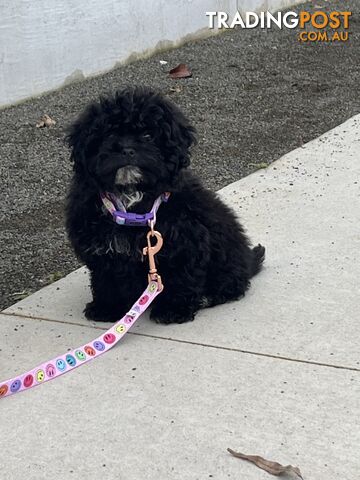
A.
pixel 152 287
pixel 109 338
pixel 128 319
pixel 60 365
pixel 120 328
pixel 15 386
pixel 40 375
pixel 144 299
pixel 80 355
pixel 28 380
pixel 50 370
pixel 70 360
pixel 90 351
pixel 99 346
pixel 3 390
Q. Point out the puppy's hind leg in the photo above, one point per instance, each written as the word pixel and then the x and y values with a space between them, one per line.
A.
pixel 226 287
pixel 229 281
pixel 180 300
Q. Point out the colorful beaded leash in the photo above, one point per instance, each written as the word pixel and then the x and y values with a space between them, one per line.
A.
pixel 81 355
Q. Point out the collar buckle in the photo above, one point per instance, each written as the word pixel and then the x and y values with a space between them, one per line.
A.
pixel 133 219
pixel 122 217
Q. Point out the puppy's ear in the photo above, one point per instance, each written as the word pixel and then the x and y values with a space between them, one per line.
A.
pixel 179 134
pixel 83 138
pixel 74 141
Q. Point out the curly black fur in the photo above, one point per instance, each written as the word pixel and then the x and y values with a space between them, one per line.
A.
pixel 136 145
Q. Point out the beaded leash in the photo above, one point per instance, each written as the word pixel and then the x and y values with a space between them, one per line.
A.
pixel 81 355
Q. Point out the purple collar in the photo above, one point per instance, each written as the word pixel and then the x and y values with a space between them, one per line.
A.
pixel 122 217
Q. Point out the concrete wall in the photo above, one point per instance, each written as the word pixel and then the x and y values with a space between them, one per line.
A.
pixel 45 44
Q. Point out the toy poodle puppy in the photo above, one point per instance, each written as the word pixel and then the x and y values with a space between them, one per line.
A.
pixel 133 147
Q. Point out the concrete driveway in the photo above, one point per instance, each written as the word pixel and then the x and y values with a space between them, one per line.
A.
pixel 275 374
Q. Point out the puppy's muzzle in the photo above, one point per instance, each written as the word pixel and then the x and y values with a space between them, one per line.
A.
pixel 128 175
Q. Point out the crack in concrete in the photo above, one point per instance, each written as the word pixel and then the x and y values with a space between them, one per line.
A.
pixel 189 342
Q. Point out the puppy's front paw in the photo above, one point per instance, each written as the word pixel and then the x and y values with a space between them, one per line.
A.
pixel 98 313
pixel 169 316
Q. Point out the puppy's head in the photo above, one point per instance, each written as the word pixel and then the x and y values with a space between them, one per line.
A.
pixel 136 140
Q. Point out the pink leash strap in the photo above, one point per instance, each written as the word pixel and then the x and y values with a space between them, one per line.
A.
pixel 81 355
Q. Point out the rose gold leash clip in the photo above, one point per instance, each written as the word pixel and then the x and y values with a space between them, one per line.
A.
pixel 151 251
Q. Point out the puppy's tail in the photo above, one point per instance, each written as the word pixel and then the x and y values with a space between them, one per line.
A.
pixel 257 259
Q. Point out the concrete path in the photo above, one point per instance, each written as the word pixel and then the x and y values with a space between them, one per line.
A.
pixel 275 374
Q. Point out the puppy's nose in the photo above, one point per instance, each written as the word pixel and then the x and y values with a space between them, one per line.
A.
pixel 127 152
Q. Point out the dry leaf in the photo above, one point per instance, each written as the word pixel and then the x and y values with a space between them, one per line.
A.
pixel 258 166
pixel 176 89
pixel 181 71
pixel 271 467
pixel 20 295
pixel 45 121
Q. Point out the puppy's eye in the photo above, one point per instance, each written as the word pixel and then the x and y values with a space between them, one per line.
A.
pixel 147 136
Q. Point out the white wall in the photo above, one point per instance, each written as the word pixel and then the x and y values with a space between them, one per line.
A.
pixel 45 44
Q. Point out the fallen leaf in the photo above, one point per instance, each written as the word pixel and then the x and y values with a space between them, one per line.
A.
pixel 273 468
pixel 20 295
pixel 181 71
pixel 45 121
pixel 259 165
pixel 176 89
pixel 54 277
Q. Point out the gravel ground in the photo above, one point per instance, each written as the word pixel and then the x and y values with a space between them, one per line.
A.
pixel 254 96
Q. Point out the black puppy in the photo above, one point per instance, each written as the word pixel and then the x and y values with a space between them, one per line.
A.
pixel 136 146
